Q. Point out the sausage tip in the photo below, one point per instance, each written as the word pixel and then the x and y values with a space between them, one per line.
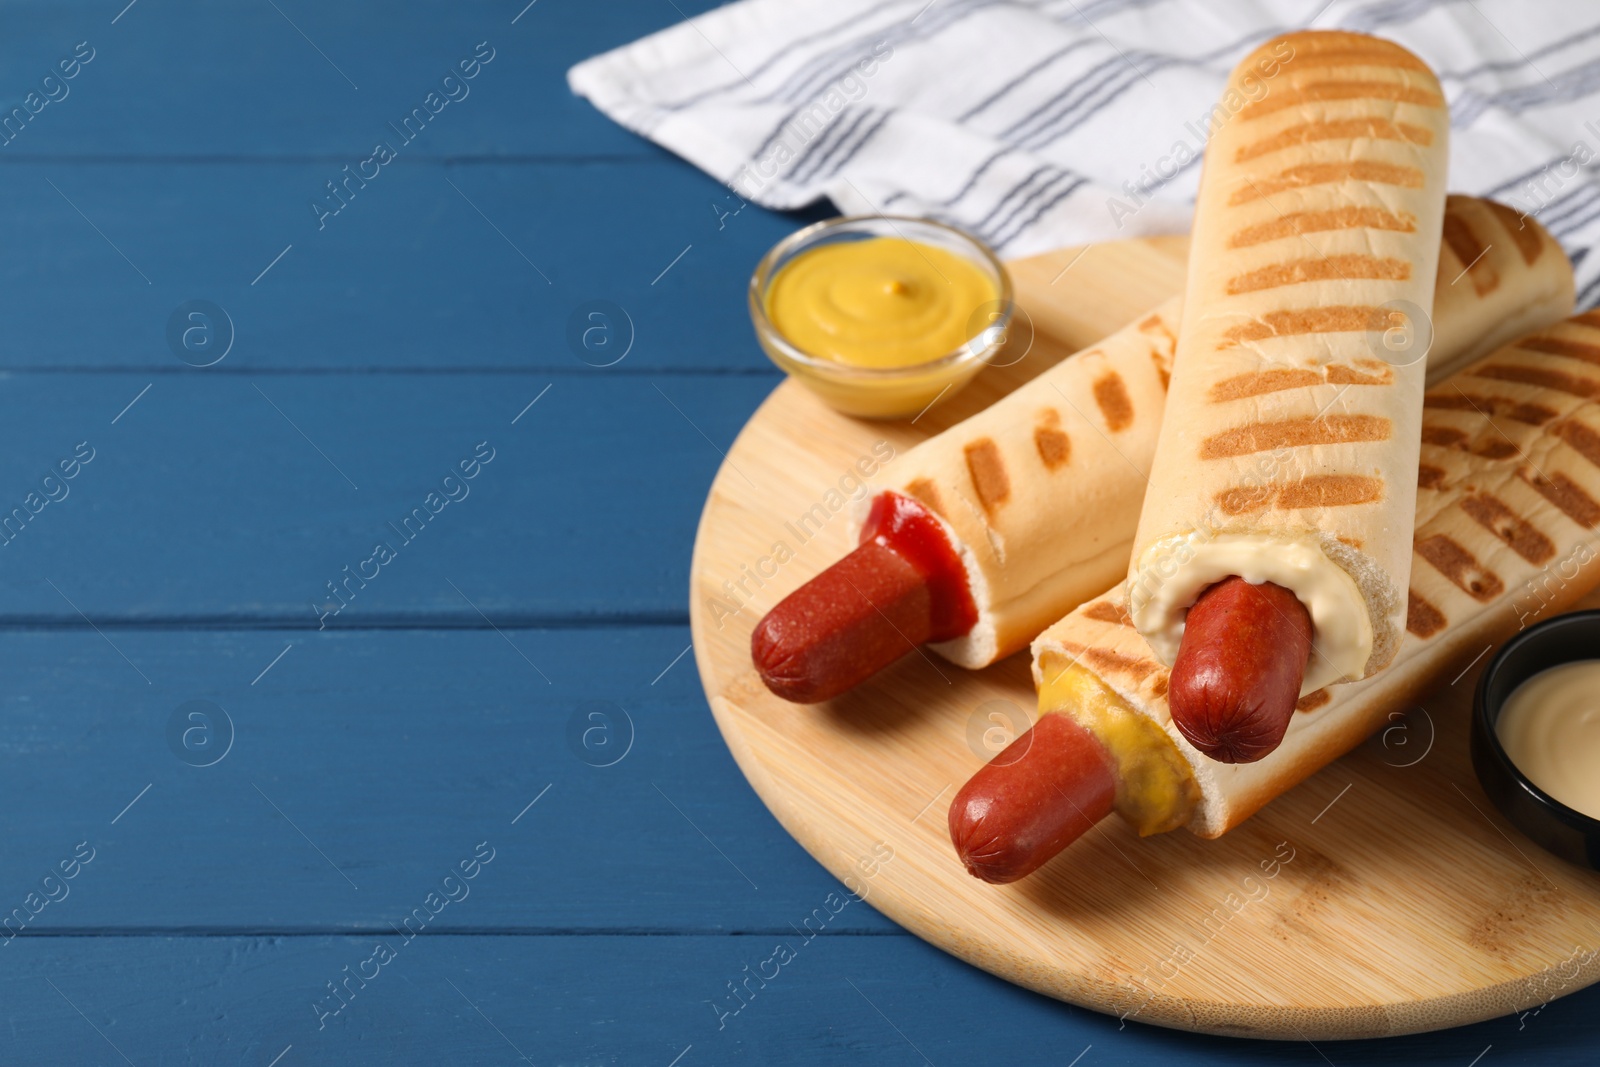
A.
pixel 842 627
pixel 1031 801
pixel 1239 668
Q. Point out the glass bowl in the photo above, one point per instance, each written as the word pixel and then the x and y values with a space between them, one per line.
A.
pixel 885 392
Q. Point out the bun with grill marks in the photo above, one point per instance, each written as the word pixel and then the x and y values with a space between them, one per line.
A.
pixel 1501 277
pixel 1506 519
pixel 1289 444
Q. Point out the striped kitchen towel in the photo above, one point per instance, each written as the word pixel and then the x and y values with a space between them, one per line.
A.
pixel 1058 122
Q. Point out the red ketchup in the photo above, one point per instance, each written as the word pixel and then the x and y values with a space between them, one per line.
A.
pixel 904 526
pixel 904 585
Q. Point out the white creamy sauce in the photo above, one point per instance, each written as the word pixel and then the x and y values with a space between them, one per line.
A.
pixel 1341 639
pixel 1550 727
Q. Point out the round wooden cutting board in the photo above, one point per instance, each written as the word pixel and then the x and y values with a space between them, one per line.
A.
pixel 1383 896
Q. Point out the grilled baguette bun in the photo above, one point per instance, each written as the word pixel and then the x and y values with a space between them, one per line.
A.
pixel 1506 520
pixel 1040 492
pixel 1501 277
pixel 1288 447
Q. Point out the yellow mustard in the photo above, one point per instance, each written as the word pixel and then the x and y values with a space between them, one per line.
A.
pixel 1156 790
pixel 881 302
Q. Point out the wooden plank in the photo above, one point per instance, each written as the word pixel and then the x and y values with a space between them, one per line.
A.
pixel 364 766
pixel 217 498
pixel 428 265
pixel 239 80
pixel 331 459
pixel 494 999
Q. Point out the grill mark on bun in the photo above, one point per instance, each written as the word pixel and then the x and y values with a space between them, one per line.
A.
pixel 1116 407
pixel 1279 379
pixel 1461 567
pixel 1343 218
pixel 1336 319
pixel 1244 499
pixel 1352 89
pixel 1162 350
pixel 1588 318
pixel 1296 433
pixel 1496 448
pixel 1313 700
pixel 1559 381
pixel 1429 476
pixel 1055 447
pixel 1330 491
pixel 1340 374
pixel 1444 436
pixel 1470 251
pixel 1163 368
pixel 1526 237
pixel 1355 57
pixel 1314 47
pixel 1107 661
pixel 1051 441
pixel 1315 491
pixel 928 493
pixel 1334 130
pixel 1297 271
pixel 1308 174
pixel 1154 325
pixel 1565 494
pixel 1491 513
pixel 1500 407
pixel 1561 346
pixel 1422 618
pixel 1107 611
pixel 988 469
pixel 1451 437
pixel 1259 383
pixel 1583 440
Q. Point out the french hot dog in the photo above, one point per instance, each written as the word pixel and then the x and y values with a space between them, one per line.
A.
pixel 1507 511
pixel 1072 447
pixel 1269 467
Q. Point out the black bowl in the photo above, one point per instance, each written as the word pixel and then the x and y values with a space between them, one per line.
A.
pixel 1556 828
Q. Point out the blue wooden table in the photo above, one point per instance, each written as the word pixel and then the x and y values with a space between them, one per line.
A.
pixel 347 713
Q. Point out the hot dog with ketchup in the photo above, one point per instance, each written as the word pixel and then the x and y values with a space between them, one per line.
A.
pixel 980 571
pixel 1275 541
pixel 1507 511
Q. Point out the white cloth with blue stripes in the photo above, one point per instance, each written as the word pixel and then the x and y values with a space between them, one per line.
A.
pixel 1053 123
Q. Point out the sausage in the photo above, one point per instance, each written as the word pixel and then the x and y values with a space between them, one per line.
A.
pixel 902 586
pixel 1031 801
pixel 842 627
pixel 1239 668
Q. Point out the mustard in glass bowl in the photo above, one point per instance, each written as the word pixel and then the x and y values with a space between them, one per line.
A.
pixel 880 315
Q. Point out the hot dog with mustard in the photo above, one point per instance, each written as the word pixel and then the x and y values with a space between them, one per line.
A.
pixel 1508 505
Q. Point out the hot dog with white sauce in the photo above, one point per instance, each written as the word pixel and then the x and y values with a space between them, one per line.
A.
pixel 1274 544
pixel 1508 506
